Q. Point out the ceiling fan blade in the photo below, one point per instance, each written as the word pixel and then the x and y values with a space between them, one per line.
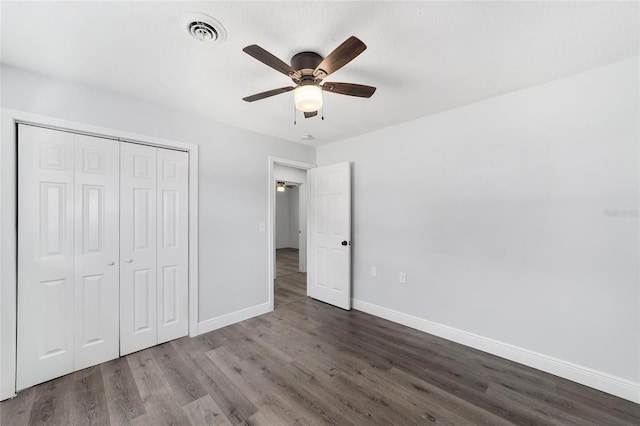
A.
pixel 341 56
pixel 359 90
pixel 267 94
pixel 310 114
pixel 268 59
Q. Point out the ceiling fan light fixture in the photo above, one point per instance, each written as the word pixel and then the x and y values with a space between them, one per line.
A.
pixel 280 186
pixel 308 97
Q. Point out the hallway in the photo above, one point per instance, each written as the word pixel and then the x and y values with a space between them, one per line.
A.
pixel 290 284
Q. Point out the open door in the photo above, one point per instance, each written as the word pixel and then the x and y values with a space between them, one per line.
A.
pixel 329 227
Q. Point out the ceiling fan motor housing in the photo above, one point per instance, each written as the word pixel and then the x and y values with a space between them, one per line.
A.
pixel 305 61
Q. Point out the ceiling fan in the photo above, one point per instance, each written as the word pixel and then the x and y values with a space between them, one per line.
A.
pixel 308 70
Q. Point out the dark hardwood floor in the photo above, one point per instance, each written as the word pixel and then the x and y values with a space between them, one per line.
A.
pixel 290 284
pixel 309 363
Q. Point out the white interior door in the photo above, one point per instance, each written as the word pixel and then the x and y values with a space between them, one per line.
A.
pixel 138 297
pixel 97 210
pixel 67 241
pixel 45 255
pixel 329 225
pixel 173 241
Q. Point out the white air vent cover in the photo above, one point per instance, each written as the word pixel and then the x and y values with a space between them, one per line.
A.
pixel 203 28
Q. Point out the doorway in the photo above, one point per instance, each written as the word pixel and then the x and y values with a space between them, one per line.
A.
pixel 287 230
pixel 290 276
pixel 327 244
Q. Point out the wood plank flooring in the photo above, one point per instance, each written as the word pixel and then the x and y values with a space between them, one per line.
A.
pixel 308 363
pixel 290 284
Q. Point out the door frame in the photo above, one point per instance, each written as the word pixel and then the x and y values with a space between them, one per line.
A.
pixel 8 221
pixel 271 216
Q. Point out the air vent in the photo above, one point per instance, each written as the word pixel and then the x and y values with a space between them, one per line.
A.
pixel 203 31
pixel 203 28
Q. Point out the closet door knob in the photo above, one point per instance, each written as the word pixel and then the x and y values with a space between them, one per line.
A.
pixel 128 260
pixel 111 263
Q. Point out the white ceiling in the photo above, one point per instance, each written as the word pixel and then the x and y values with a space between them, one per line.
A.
pixel 424 57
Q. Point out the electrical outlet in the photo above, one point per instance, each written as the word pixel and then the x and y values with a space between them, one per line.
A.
pixel 403 277
pixel 374 271
pixel 263 227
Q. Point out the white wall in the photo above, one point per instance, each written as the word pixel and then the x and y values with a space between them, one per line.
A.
pixel 287 218
pixel 289 174
pixel 500 214
pixel 283 219
pixel 233 173
pixel 297 208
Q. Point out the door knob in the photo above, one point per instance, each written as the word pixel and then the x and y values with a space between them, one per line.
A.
pixel 111 263
pixel 344 243
pixel 128 260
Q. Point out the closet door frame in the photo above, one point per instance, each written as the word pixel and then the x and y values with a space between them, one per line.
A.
pixel 8 231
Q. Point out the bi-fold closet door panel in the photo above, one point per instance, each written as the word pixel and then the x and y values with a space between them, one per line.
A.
pixel 138 186
pixel 153 246
pixel 67 253
pixel 173 244
pixel 96 280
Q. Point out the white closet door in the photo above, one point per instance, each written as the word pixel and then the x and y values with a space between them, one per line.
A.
pixel 97 199
pixel 138 297
pixel 173 244
pixel 45 255
pixel 67 239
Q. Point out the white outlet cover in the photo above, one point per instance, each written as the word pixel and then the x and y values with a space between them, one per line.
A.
pixel 403 277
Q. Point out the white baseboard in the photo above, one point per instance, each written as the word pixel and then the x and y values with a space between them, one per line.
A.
pixel 233 317
pixel 586 376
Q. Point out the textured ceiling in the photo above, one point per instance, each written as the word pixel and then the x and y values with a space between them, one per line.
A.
pixel 424 57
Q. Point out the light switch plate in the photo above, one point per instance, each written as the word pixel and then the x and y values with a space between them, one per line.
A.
pixel 403 277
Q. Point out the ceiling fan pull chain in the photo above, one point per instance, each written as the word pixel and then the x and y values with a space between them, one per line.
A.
pixel 322 109
pixel 294 115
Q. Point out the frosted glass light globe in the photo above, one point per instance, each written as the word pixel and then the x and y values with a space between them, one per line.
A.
pixel 308 98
